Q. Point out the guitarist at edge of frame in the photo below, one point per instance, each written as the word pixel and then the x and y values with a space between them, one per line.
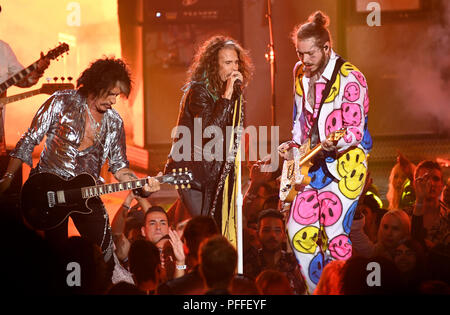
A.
pixel 9 65
pixel 82 131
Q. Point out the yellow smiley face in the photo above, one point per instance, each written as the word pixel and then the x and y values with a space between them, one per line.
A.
pixel 334 91
pixel 349 161
pixel 347 67
pixel 298 80
pixel 305 240
pixel 352 184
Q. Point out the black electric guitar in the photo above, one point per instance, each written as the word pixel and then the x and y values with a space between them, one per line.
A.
pixel 47 199
pixel 47 88
pixel 295 172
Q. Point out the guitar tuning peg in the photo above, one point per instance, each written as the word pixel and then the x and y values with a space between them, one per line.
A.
pixel 189 186
pixel 176 187
pixel 69 79
pixel 180 170
pixel 48 79
pixel 62 79
pixel 182 186
pixel 55 79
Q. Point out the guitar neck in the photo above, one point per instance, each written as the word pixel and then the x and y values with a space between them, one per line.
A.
pixel 19 76
pixel 94 191
pixel 18 97
pixel 310 154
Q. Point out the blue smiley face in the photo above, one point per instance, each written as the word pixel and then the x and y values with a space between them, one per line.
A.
pixel 366 141
pixel 318 177
pixel 348 219
pixel 316 266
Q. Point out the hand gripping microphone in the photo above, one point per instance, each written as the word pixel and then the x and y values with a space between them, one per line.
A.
pixel 237 87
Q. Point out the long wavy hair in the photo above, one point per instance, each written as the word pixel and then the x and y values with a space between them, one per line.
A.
pixel 205 66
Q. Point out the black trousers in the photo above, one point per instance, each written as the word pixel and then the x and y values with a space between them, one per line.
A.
pixel 94 226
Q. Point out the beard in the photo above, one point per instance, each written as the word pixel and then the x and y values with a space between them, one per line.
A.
pixel 320 66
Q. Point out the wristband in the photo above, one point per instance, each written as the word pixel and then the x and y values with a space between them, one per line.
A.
pixel 181 267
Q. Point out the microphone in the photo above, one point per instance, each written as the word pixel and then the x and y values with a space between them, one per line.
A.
pixel 237 87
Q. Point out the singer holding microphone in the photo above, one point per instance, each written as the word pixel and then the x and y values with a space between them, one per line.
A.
pixel 212 101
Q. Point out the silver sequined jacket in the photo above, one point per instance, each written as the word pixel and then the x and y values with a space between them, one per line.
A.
pixel 62 119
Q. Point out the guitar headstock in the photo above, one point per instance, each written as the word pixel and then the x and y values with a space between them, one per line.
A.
pixel 336 135
pixel 181 178
pixel 50 88
pixel 55 52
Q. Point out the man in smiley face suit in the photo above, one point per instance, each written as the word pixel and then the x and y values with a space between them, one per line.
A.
pixel 329 94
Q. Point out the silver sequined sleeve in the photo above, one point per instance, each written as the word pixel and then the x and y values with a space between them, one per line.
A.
pixel 38 128
pixel 117 153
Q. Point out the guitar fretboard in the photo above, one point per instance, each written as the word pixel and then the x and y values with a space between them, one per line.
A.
pixel 93 191
pixel 15 98
pixel 19 76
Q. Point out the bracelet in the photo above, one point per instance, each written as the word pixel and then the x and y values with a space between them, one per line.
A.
pixel 181 267
pixel 9 174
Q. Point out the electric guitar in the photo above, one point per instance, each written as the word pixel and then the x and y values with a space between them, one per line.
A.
pixel 47 88
pixel 19 76
pixel 47 199
pixel 295 172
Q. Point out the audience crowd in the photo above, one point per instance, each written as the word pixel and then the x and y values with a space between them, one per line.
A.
pixel 159 253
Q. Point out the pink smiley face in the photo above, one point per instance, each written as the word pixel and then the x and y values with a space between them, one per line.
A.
pixel 351 91
pixel 319 91
pixel 358 75
pixel 333 122
pixel 366 104
pixel 340 247
pixel 351 114
pixel 306 208
pixel 331 208
pixel 355 131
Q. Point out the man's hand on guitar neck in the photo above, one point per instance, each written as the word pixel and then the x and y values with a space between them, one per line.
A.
pixel 125 174
pixel 328 145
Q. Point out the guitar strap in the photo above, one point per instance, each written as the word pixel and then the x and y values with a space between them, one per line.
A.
pixel 314 132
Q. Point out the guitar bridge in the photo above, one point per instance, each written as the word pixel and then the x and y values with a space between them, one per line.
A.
pixel 51 199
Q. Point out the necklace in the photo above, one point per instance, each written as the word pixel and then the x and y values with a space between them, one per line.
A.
pixel 94 124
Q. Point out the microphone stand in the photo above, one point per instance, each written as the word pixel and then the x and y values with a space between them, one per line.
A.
pixel 270 57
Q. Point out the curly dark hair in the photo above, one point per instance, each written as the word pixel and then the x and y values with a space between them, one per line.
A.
pixel 103 74
pixel 206 62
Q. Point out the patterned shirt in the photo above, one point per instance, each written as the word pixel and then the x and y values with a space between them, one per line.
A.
pixel 254 264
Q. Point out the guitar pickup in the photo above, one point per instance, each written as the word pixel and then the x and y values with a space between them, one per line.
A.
pixel 60 196
pixel 51 199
